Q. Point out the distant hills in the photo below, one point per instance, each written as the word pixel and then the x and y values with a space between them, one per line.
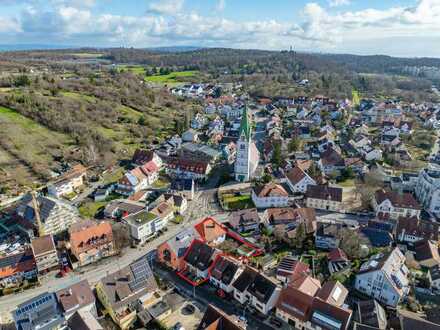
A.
pixel 22 47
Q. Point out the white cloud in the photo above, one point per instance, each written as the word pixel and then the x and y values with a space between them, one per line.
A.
pixel 338 3
pixel 165 7
pixel 9 25
pixel 167 23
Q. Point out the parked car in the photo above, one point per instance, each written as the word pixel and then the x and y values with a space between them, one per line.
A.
pixel 275 322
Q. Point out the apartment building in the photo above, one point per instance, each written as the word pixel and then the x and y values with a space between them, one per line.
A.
pixel 45 253
pixel 427 188
pixel 393 205
pixel 56 216
pixel 384 277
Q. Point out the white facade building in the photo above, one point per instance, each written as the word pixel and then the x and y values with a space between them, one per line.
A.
pixel 144 225
pixel 385 278
pixel 428 188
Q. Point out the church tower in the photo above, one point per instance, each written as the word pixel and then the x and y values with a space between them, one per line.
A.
pixel 247 154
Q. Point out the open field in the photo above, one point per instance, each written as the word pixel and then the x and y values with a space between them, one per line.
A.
pixel 173 77
pixel 26 148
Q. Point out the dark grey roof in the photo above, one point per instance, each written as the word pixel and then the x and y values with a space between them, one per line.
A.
pixel 40 312
pixel 371 313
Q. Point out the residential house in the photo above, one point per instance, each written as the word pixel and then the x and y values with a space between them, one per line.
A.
pixel 165 211
pixel 40 312
pixel 185 187
pixel 83 320
pixel 45 253
pixel 199 257
pixel 289 270
pixel 392 205
pixel 199 121
pixel 69 182
pixel 186 168
pixel 427 189
pixel 410 321
pixel 224 272
pixel 328 235
pixel 172 252
pixel 143 226
pixel 360 141
pixel 210 231
pixel 257 290
pixel 142 157
pixel 331 162
pixel 216 319
pixel 434 277
pixel 338 261
pixel 384 277
pixel 298 180
pixel 200 151
pixel 284 221
pixel 177 201
pixel 121 292
pixel 379 233
pixel 246 220
pixel 76 297
pixel 306 284
pixel 91 241
pixel 56 216
pixel 190 135
pixel 17 267
pixel 412 229
pixel 324 198
pixel 270 195
pixel 122 208
pixel 427 253
pixel 137 179
pixel 304 311
pixel 371 314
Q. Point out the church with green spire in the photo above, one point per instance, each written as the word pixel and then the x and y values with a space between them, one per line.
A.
pixel 247 156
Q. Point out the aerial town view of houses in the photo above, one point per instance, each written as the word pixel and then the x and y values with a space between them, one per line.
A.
pixel 218 189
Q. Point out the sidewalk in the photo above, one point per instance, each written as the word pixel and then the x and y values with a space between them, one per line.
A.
pixel 205 295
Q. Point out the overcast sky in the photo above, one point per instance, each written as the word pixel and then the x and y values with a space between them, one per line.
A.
pixel 392 27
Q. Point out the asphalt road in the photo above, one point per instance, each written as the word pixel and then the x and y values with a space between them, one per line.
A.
pixel 94 273
pixel 205 294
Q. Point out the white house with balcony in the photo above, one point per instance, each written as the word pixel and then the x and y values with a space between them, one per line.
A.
pixel 384 277
pixel 428 188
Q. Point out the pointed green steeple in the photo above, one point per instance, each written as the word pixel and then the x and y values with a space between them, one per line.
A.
pixel 245 126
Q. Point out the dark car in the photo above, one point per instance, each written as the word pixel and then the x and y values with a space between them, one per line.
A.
pixel 275 322
pixel 189 309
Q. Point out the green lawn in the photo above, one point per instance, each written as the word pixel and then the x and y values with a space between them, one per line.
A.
pixel 80 96
pixel 136 69
pixel 89 210
pixel 114 176
pixel 237 202
pixel 173 77
pixel 347 183
pixel 28 145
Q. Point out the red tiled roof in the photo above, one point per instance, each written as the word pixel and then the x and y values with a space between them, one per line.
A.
pixel 405 200
pixel 271 190
pixel 294 302
pixel 337 255
pixel 209 229
pixel 44 244
pixel 91 236
pixel 295 175
pixel 324 193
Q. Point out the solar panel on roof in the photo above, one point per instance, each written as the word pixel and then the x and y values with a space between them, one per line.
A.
pixel 142 272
